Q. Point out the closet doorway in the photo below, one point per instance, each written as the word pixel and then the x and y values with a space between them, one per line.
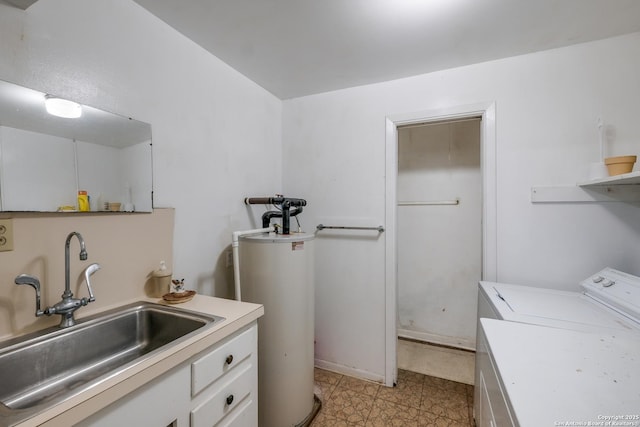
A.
pixel 488 217
pixel 439 231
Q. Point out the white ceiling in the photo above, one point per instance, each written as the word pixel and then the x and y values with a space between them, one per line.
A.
pixel 299 47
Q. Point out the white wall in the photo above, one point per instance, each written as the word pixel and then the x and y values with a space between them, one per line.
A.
pixel 29 182
pixel 116 174
pixel 439 246
pixel 547 105
pixel 99 172
pixel 216 134
pixel 41 172
pixel 137 175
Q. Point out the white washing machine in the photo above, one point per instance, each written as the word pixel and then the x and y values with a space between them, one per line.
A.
pixel 609 304
pixel 610 300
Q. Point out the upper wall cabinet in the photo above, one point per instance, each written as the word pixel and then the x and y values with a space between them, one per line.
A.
pixel 46 159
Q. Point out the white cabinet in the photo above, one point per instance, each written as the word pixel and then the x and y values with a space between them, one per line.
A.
pixel 218 386
pixel 159 403
pixel 224 383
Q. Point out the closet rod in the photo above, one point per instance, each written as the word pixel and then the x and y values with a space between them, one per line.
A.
pixel 379 228
pixel 433 202
pixel 440 122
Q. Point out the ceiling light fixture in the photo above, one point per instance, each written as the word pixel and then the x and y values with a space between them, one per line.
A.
pixel 62 107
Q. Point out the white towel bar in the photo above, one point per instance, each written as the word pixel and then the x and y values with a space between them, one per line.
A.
pixel 429 203
pixel 379 228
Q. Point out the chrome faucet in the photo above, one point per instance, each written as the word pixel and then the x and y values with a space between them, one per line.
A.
pixel 83 257
pixel 68 305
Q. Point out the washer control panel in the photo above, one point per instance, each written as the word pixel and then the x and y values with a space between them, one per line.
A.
pixel 603 281
pixel 616 289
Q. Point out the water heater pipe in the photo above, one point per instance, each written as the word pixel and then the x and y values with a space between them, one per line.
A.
pixel 286 204
pixel 235 243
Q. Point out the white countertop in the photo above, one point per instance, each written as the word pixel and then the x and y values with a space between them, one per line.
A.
pixel 558 377
pixel 236 314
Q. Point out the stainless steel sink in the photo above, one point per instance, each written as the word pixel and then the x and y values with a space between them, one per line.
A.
pixel 43 369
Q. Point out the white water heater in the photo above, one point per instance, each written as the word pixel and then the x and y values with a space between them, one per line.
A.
pixel 277 271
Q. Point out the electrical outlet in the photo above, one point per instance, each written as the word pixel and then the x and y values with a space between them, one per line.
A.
pixel 229 258
pixel 6 234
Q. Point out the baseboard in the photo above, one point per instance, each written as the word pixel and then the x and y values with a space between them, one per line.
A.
pixel 349 371
pixel 426 337
pixel 433 344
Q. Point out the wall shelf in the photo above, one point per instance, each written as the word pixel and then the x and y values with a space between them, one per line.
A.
pixel 619 188
pixel 586 194
pixel 631 178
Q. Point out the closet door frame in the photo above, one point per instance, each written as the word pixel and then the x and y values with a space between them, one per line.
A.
pixel 487 111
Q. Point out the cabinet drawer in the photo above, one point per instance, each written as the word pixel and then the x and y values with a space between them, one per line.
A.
pixel 245 414
pixel 209 368
pixel 238 392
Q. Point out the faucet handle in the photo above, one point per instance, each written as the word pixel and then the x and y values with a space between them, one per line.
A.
pixel 87 273
pixel 25 279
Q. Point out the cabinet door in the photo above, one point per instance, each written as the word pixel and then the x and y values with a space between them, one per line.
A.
pixel 245 415
pixel 225 382
pixel 160 403
pixel 222 359
pixel 233 393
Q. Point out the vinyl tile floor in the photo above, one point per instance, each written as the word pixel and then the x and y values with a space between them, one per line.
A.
pixel 417 401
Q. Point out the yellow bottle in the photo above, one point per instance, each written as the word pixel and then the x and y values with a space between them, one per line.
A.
pixel 83 201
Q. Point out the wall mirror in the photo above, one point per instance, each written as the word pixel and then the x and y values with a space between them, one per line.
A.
pixel 45 159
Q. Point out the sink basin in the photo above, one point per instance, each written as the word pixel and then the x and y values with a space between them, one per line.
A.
pixel 45 368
